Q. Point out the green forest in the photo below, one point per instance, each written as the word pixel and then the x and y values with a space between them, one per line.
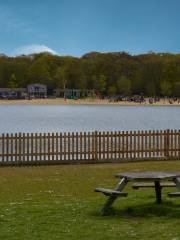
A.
pixel 118 73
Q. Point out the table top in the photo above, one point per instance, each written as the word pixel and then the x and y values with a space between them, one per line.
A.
pixel 148 175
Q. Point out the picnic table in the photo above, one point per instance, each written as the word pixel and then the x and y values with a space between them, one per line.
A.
pixel 157 182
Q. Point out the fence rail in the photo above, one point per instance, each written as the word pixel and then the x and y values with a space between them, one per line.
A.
pixel 41 148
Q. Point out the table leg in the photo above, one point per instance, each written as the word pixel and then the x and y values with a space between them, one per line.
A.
pixel 121 185
pixel 158 191
pixel 177 182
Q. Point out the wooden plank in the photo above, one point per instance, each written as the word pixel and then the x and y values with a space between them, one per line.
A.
pixel 20 146
pixel 142 144
pixel 174 194
pixel 93 143
pixel 135 144
pixel 81 158
pixel 96 145
pixel 12 148
pixel 36 146
pixel 65 151
pixel 7 147
pixel 112 147
pixel 127 144
pixel 161 143
pixel 166 143
pixel 77 146
pixel 16 147
pixel 99 137
pixel 123 145
pixel 175 143
pixel 28 147
pixel 171 142
pixel 152 185
pixel 103 146
pixel 61 148
pixel 179 143
pixel 52 146
pixel 157 143
pixel 73 150
pixel 45 146
pixel 138 144
pixel 150 143
pixel 57 147
pixel 154 144
pixel 146 144
pixel 3 146
pixel 111 192
pixel 89 146
pixel 107 135
pixel 49 147
pixel 69 149
pixel 119 143
pixel 40 147
pixel 130 147
pixel 85 152
pixel 32 147
pixel 115 145
pixel 24 148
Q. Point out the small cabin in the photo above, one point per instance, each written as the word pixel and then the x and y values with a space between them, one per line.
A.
pixel 37 90
pixel 13 93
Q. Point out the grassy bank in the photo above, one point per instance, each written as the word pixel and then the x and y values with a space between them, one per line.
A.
pixel 58 202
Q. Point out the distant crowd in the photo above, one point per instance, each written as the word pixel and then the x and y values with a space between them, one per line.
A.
pixel 141 99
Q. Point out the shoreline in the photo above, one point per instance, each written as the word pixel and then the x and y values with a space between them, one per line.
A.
pixel 60 101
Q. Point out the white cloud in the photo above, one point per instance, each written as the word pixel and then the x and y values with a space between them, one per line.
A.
pixel 30 49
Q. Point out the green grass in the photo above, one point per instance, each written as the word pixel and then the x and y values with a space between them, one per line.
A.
pixel 58 202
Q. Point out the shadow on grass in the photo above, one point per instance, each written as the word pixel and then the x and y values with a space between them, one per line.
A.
pixel 166 209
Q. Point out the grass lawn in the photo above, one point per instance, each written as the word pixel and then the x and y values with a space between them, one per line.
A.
pixel 58 202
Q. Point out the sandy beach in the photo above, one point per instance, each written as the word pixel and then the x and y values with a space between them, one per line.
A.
pixel 61 101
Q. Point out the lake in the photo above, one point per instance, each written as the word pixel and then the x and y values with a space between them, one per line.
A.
pixel 69 118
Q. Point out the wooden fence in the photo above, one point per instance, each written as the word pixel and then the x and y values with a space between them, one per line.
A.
pixel 38 148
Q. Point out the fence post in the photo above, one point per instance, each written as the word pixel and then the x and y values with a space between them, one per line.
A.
pixel 96 146
pixel 179 143
pixel 166 143
pixel 3 146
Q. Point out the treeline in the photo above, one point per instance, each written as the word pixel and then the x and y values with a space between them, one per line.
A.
pixel 109 73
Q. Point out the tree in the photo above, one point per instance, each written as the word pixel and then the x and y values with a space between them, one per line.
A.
pixel 101 84
pixel 124 86
pixel 166 88
pixel 61 79
pixel 151 73
pixel 39 71
pixel 13 83
pixel 111 90
pixel 176 89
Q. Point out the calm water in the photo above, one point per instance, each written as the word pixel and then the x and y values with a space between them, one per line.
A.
pixel 53 118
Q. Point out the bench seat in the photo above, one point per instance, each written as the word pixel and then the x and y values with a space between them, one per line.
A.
pixel 174 194
pixel 151 185
pixel 111 192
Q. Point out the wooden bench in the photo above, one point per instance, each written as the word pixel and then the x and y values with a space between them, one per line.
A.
pixel 151 185
pixel 174 194
pixel 111 192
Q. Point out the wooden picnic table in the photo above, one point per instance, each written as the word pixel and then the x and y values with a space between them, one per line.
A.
pixel 126 177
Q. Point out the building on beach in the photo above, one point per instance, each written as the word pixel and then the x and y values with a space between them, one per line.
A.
pixel 37 90
pixel 73 93
pixel 13 93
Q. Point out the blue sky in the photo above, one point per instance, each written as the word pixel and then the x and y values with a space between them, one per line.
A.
pixel 75 27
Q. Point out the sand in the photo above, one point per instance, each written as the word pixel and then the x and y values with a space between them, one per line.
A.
pixel 61 101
